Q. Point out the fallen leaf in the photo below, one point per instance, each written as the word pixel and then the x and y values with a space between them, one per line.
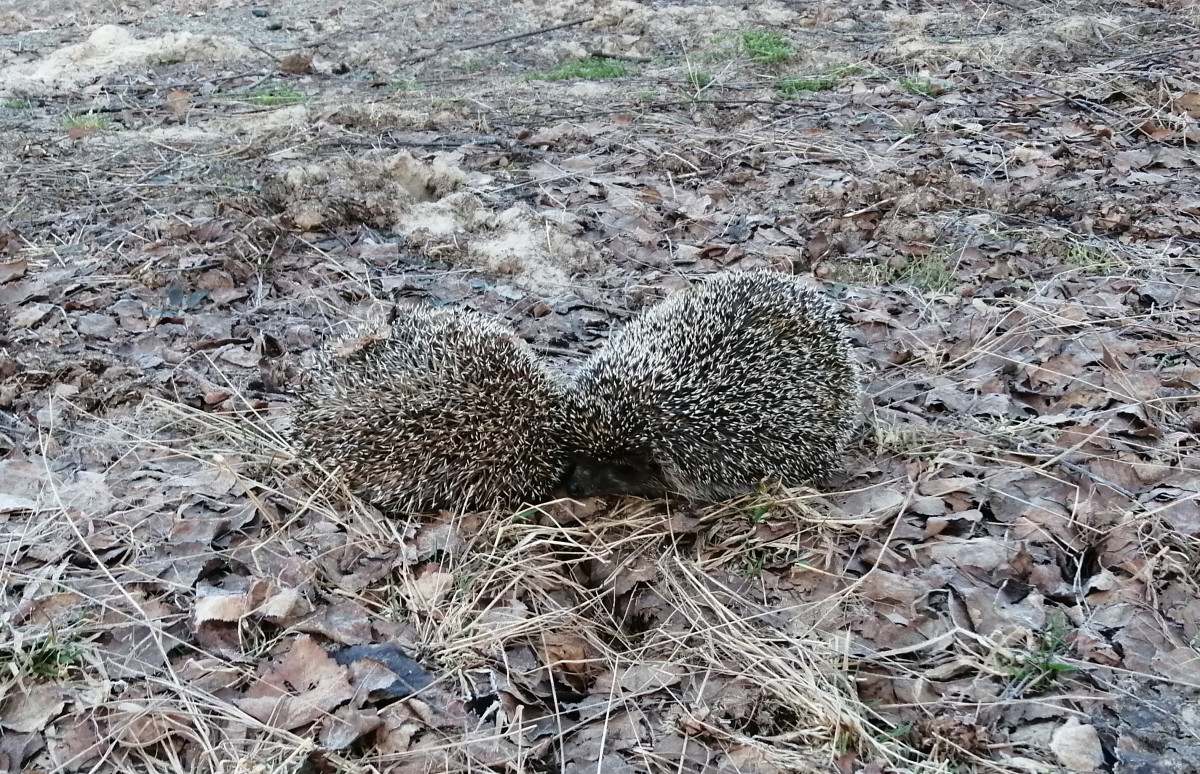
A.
pixel 30 710
pixel 303 687
pixel 1077 746
pixel 13 270
pixel 178 103
pixel 299 63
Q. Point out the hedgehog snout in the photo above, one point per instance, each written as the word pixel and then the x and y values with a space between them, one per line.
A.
pixel 633 475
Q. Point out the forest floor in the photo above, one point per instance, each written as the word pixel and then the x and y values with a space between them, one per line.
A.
pixel 1006 196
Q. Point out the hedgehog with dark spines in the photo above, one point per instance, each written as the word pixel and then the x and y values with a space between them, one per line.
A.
pixel 446 410
pixel 745 377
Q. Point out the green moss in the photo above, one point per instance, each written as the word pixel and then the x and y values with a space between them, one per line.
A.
pixel 592 69
pixel 1092 260
pixel 90 121
pixel 924 87
pixel 766 47
pixel 791 87
pixel 275 94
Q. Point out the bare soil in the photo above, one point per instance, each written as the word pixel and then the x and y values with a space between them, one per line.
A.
pixel 1005 577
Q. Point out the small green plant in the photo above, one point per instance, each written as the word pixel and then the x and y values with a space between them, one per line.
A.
pixel 471 66
pixel 844 70
pixel 791 87
pixel 756 562
pixel 403 84
pixel 923 86
pixel 758 514
pixel 928 272
pixel 592 69
pixel 525 516
pixel 51 656
pixel 833 75
pixel 17 104
pixel 466 581
pixel 275 94
pixel 699 80
pixel 1092 260
pixel 766 47
pixel 645 95
pixel 92 122
pixel 860 273
pixel 1035 670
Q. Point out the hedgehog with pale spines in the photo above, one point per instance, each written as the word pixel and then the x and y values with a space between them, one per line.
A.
pixel 745 377
pixel 445 410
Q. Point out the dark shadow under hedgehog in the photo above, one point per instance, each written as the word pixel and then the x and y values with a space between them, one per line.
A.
pixel 744 377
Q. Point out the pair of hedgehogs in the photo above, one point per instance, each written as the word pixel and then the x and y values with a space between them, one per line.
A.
pixel 747 376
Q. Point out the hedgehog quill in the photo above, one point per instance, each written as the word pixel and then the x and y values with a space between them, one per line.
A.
pixel 745 377
pixel 449 410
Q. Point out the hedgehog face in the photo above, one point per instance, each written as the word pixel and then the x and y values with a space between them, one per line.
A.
pixel 633 474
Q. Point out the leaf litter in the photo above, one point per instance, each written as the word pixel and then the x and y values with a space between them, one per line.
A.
pixel 1002 579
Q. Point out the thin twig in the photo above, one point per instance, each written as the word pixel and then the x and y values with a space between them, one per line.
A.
pixel 518 36
pixel 1082 104
pixel 262 50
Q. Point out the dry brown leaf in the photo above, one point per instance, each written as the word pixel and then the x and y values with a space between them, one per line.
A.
pixel 31 709
pixel 139 725
pixel 299 689
pixel 346 726
pixel 568 658
pixel 178 103
pixel 649 676
pixel 1077 746
pixel 1190 103
pixel 299 63
pixel 13 270
pixel 220 607
pixel 430 588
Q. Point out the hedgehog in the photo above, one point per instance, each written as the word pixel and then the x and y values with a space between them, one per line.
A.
pixel 746 377
pixel 444 409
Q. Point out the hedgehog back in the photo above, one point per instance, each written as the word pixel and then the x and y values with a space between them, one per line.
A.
pixel 744 377
pixel 452 410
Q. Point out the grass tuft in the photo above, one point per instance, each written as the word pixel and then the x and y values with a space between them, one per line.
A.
pixel 1092 260
pixel 592 69
pixel 276 94
pixel 924 87
pixel 833 75
pixel 93 122
pixel 791 87
pixel 928 272
pixel 1035 670
pixel 50 657
pixel 766 47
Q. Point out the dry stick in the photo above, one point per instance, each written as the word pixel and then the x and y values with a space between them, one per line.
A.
pixel 518 36
pixel 505 39
pixel 625 57
pixel 1082 104
pixel 1166 52
pixel 262 50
